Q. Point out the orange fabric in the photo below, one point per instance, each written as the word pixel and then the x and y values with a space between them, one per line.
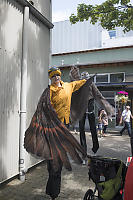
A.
pixel 61 98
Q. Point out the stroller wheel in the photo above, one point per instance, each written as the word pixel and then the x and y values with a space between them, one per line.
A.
pixel 89 195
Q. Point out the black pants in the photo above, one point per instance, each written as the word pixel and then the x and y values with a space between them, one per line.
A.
pixel 54 180
pixel 91 118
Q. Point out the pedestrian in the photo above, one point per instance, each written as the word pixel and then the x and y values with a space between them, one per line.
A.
pixel 100 123
pixel 94 95
pixel 125 117
pixel 48 135
pixel 104 118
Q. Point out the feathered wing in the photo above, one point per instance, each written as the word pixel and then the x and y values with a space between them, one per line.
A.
pixel 79 103
pixel 48 138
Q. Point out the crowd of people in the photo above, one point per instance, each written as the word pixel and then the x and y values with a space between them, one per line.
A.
pixel 48 135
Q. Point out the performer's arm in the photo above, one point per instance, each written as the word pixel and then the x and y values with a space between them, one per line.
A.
pixel 74 74
pixel 77 84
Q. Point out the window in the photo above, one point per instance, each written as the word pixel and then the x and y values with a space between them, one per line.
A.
pixel 110 78
pixel 103 78
pixel 112 34
pixel 117 78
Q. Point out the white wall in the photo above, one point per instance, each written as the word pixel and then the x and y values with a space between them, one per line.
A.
pixel 121 39
pixel 76 37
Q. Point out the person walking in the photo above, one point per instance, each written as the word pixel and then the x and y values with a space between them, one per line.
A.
pixel 104 118
pixel 125 117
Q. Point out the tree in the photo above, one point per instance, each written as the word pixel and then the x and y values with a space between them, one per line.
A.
pixel 110 14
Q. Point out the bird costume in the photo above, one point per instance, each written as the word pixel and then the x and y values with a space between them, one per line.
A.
pixel 48 138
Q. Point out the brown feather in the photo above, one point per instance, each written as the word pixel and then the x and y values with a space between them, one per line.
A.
pixel 48 138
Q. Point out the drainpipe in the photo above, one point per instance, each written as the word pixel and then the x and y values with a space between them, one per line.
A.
pixel 23 94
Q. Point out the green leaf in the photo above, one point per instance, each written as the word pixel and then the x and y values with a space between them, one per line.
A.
pixel 110 14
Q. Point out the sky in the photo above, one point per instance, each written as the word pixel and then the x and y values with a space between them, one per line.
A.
pixel 62 9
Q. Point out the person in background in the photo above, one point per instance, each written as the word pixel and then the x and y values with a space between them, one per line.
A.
pixel 104 118
pixel 100 124
pixel 125 117
pixel 94 95
pixel 91 118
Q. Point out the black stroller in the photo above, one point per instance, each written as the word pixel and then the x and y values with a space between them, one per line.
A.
pixel 108 174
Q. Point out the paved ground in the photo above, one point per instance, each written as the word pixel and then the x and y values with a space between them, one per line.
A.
pixel 75 183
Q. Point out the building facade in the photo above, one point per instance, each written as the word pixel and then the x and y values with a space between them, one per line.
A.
pixel 24 60
pixel 113 65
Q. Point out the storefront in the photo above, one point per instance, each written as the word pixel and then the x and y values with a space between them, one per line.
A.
pixel 110 84
pixel 113 68
pixel 119 95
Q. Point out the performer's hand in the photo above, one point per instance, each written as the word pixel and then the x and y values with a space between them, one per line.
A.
pixel 74 73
